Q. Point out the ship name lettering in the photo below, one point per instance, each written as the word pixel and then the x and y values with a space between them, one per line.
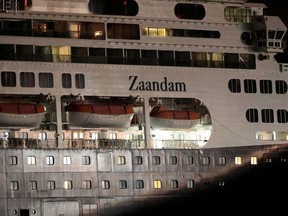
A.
pixel 140 85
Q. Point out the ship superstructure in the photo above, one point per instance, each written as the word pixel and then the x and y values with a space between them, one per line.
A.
pixel 115 107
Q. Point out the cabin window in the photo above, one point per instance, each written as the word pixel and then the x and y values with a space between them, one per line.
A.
pixel 13 160
pixel 42 136
pixel 8 79
pixel 66 80
pixel 67 160
pixel 113 136
pixel 250 86
pixel 206 160
pixel 252 115
pixel 222 160
pixel 166 58
pixel 51 185
pixel 182 58
pixel 80 81
pixel 46 80
pixel 122 184
pixel 190 183
pixel 189 160
pixel 132 56
pixel 267 115
pixel 282 116
pixel 281 86
pixel 115 56
pixel 7 51
pixel 174 184
pixel 234 85
pixel 105 184
pixel 49 160
pixel 139 184
pixel 253 160
pixel 43 53
pixel 173 160
pixel 32 185
pixel 61 53
pixel 121 160
pixel 27 79
pixel 149 57
pixel 156 160
pixel 97 55
pixel 238 160
pixel 86 160
pixel 79 54
pixel 24 53
pixel 266 86
pixel 189 11
pixel 138 160
pixel 87 184
pixel 14 185
pixel 157 184
pixel 68 185
pixel 31 160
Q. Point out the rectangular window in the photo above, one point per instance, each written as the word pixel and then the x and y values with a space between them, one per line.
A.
pixel 122 184
pixel 46 80
pixel 206 160
pixel 222 160
pixel 31 160
pixel 254 160
pixel 66 80
pixel 49 160
pixel 190 183
pixel 105 184
pixel 8 79
pixel 14 185
pixel 87 184
pixel 156 160
pixel 172 160
pixel 139 184
pixel 32 185
pixel 68 185
pixel 238 160
pixel 86 160
pixel 66 160
pixel 174 184
pixel 138 160
pixel 121 160
pixel 80 81
pixel 27 79
pixel 157 184
pixel 51 185
pixel 13 160
pixel 189 160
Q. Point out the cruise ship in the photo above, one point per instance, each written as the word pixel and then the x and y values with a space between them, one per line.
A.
pixel 142 107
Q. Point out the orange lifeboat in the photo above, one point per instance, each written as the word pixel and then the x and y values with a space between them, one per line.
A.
pixel 21 115
pixel 173 119
pixel 100 115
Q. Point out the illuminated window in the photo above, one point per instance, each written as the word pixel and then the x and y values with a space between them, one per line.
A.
pixel 31 160
pixel 121 160
pixel 87 184
pixel 66 160
pixel 68 185
pixel 105 184
pixel 42 136
pixel 254 160
pixel 49 160
pixel 238 160
pixel 157 184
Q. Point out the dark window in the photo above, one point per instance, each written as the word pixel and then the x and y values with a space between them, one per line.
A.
pixel 132 56
pixel 27 79
pixel 281 86
pixel 156 160
pixel 115 56
pixel 66 80
pixel 267 115
pixel 189 11
pixel 173 160
pixel 250 86
pixel 166 58
pixel 234 85
pixel 114 7
pixel 282 116
pixel 97 55
pixel 123 31
pixel 182 58
pixel 8 79
pixel 46 80
pixel 80 81
pixel 252 115
pixel 149 57
pixel 266 86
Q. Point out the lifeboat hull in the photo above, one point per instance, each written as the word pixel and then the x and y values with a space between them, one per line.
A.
pixel 10 120
pixel 161 123
pixel 93 120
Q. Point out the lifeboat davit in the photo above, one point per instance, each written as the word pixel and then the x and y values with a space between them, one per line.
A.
pixel 161 118
pixel 21 115
pixel 100 115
